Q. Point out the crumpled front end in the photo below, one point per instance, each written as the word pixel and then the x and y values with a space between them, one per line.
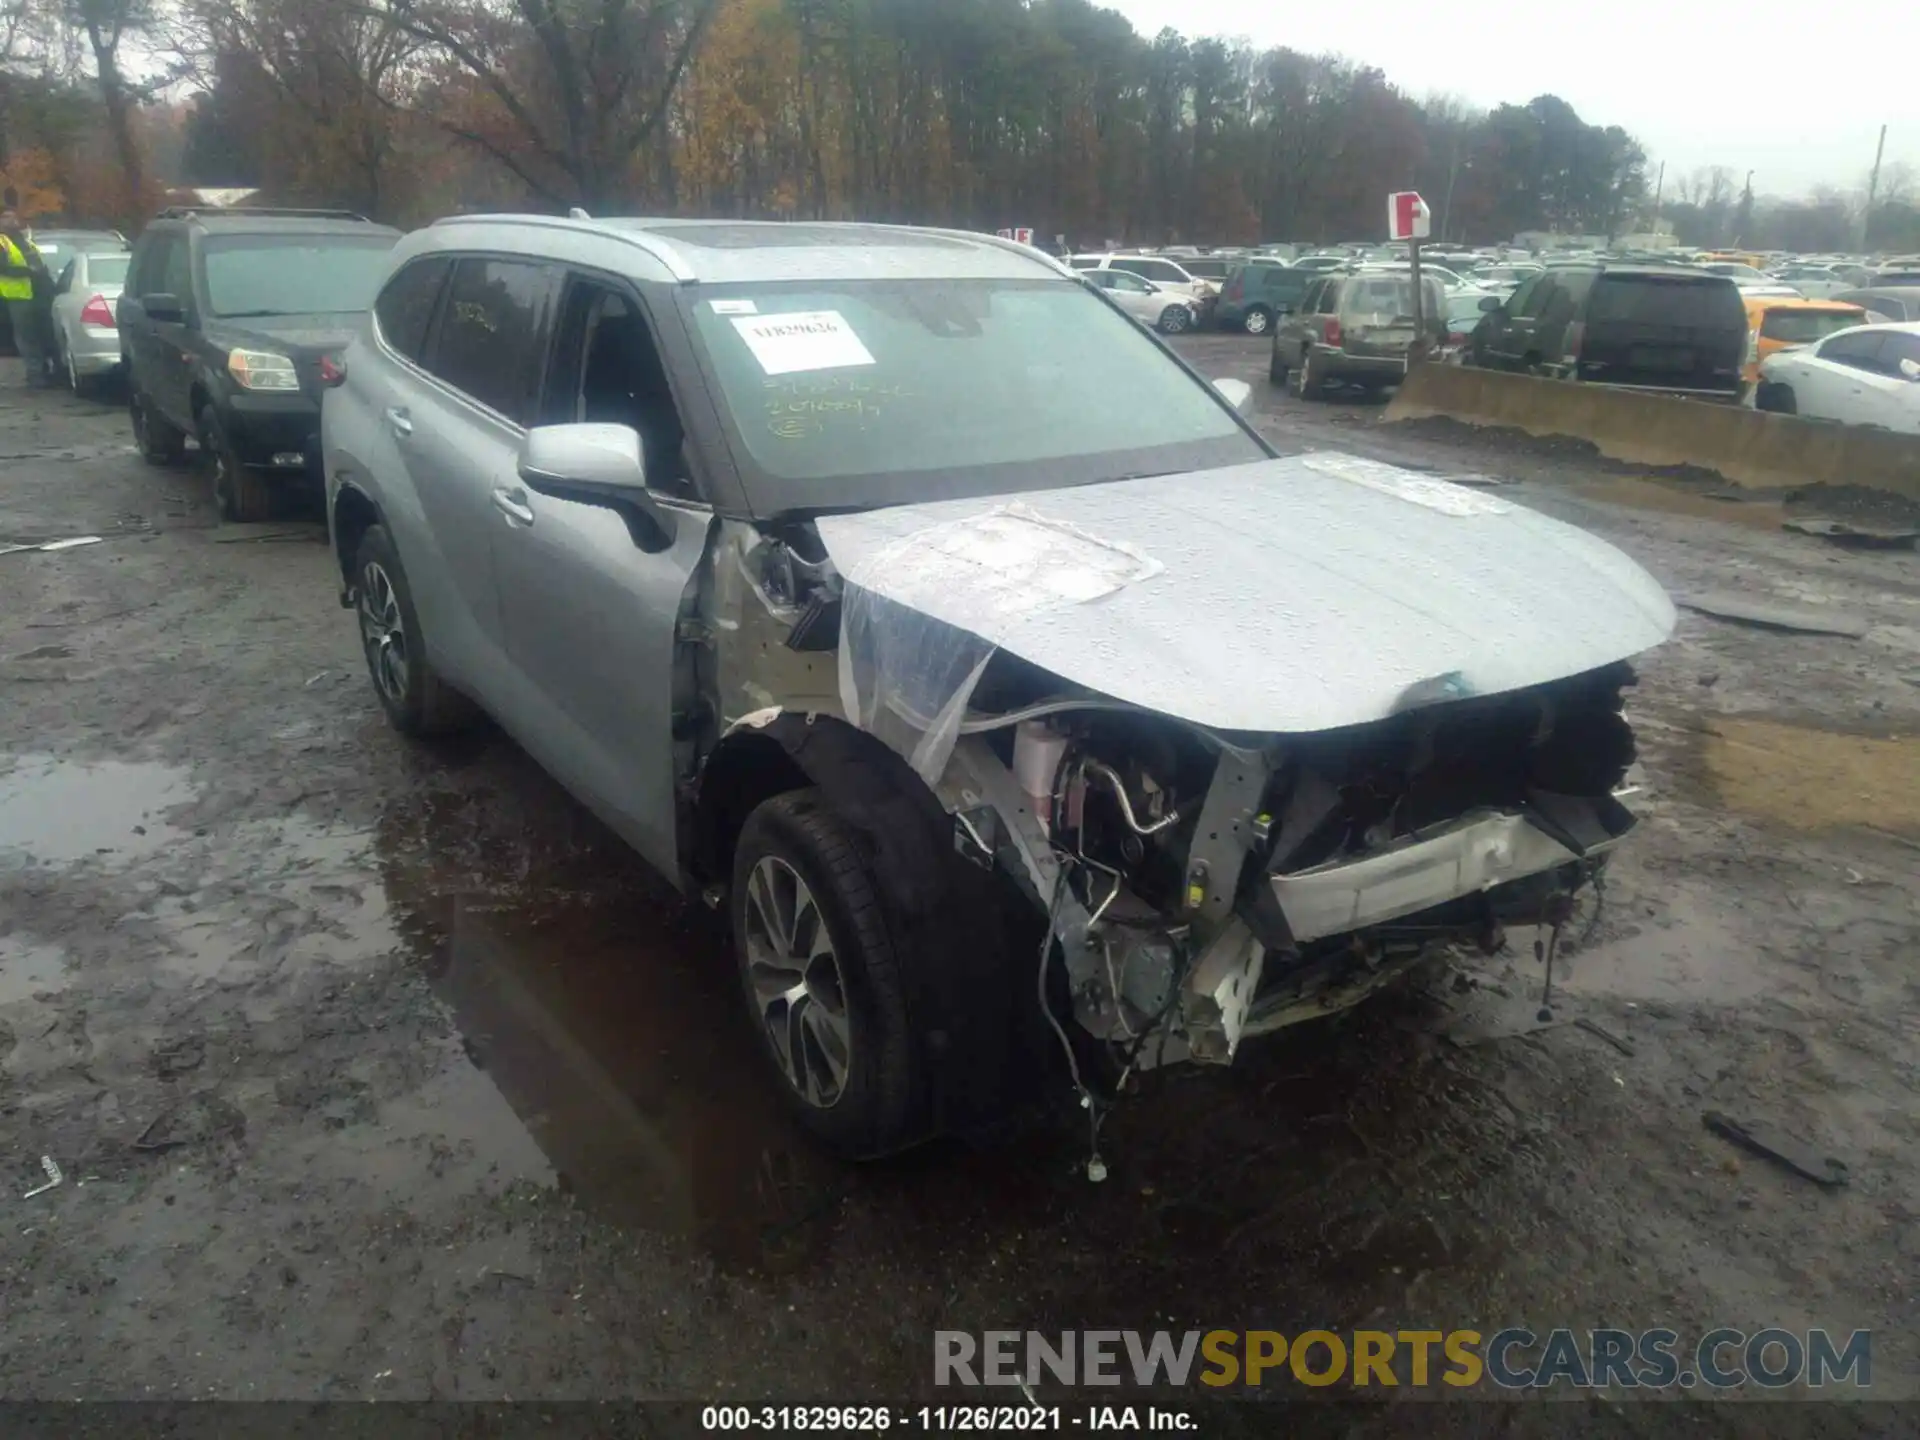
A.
pixel 1236 805
pixel 1206 890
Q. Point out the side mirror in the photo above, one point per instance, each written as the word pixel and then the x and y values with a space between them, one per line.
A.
pixel 1489 304
pixel 1910 369
pixel 595 465
pixel 1237 393
pixel 163 308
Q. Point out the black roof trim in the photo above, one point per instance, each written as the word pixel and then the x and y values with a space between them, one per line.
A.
pixel 255 212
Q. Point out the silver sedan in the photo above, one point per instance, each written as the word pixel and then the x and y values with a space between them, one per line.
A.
pixel 1154 306
pixel 86 337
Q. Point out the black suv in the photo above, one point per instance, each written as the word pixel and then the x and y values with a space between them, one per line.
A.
pixel 1654 327
pixel 225 320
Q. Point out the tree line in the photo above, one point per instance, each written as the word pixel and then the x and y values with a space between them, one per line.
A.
pixel 1050 114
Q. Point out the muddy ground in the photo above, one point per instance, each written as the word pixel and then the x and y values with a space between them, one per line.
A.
pixel 383 1072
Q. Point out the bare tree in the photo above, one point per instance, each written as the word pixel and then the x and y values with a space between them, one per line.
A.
pixel 344 71
pixel 583 85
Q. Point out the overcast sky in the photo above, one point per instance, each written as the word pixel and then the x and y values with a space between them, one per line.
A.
pixel 1797 98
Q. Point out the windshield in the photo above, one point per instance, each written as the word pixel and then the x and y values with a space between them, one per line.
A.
pixel 1803 327
pixel 294 274
pixel 107 269
pixel 857 394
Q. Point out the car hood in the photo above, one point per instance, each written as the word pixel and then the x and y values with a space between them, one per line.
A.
pixel 1284 596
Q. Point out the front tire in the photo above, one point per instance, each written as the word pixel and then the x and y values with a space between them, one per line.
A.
pixel 418 702
pixel 242 494
pixel 823 983
pixel 158 440
pixel 1257 321
pixel 1174 320
pixel 1305 381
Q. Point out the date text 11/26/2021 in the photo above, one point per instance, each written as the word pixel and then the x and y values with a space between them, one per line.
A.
pixel 872 1419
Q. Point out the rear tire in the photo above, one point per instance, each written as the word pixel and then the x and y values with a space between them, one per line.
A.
pixel 417 701
pixel 1776 399
pixel 1257 321
pixel 824 986
pixel 83 386
pixel 158 440
pixel 242 494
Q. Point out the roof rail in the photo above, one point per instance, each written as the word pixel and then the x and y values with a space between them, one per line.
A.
pixel 183 212
pixel 634 234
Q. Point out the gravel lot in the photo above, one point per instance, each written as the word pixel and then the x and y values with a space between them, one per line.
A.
pixel 381 1072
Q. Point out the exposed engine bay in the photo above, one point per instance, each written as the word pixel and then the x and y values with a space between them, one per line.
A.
pixel 1213 887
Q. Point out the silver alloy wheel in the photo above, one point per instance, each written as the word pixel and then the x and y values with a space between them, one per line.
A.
pixel 796 984
pixel 383 632
pixel 1256 322
pixel 1173 319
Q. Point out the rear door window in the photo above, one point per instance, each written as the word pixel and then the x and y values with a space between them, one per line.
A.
pixel 405 308
pixel 492 333
pixel 1862 351
pixel 1898 351
pixel 1803 327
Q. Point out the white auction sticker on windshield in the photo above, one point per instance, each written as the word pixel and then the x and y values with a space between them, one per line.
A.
pixel 734 307
pixel 810 340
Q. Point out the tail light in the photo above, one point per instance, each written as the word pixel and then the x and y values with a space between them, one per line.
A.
pixel 1456 337
pixel 333 374
pixel 97 312
pixel 1331 333
pixel 1576 332
pixel 1234 289
pixel 1753 346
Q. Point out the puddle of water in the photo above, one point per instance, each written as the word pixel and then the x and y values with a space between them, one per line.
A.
pixel 612 1033
pixel 59 811
pixel 30 970
pixel 1811 779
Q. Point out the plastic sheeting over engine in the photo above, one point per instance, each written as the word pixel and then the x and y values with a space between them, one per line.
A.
pixel 1288 596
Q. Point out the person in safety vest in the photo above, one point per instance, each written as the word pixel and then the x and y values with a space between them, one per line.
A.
pixel 23 279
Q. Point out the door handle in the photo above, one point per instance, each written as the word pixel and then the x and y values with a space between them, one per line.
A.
pixel 399 420
pixel 512 503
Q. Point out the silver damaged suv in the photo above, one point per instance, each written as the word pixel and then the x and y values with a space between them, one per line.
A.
pixel 1027 714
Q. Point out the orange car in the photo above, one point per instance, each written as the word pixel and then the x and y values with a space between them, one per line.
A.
pixel 1781 322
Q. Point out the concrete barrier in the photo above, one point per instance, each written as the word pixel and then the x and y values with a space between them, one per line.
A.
pixel 1745 446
